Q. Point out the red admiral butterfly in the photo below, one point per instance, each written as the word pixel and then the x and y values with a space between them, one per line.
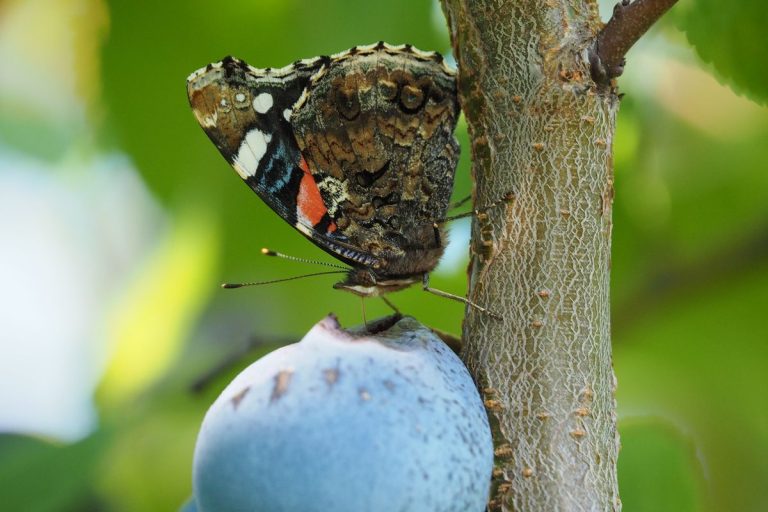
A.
pixel 355 150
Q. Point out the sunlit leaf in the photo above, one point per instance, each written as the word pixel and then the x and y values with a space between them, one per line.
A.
pixel 731 36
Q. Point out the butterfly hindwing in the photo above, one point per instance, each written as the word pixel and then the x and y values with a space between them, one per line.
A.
pixel 376 128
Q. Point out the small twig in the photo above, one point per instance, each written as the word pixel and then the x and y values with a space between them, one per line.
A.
pixel 232 360
pixel 712 270
pixel 628 23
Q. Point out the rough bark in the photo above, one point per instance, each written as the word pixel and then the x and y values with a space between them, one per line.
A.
pixel 541 130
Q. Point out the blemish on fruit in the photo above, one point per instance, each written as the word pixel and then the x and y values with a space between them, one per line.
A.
pixel 239 397
pixel 282 380
pixel 331 376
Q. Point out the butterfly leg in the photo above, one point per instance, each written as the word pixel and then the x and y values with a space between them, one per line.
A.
pixel 362 305
pixel 438 237
pixel 461 202
pixel 436 226
pixel 509 196
pixel 440 293
pixel 389 303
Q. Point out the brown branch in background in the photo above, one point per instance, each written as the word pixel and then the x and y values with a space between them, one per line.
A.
pixel 234 359
pixel 736 258
pixel 628 23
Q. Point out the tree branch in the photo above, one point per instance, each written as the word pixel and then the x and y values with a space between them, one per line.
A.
pixel 628 23
pixel 542 259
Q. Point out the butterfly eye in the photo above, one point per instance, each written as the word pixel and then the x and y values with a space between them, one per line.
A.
pixel 347 104
pixel 411 98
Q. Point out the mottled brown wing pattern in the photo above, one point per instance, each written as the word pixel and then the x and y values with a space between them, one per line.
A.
pixel 376 129
pixel 355 150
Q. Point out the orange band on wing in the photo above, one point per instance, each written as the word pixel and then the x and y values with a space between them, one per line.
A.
pixel 309 202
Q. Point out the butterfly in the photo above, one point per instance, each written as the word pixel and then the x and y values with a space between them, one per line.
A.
pixel 354 150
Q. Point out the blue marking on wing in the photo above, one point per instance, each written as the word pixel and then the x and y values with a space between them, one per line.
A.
pixel 277 170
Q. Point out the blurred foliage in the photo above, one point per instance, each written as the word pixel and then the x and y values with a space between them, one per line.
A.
pixel 37 476
pixel 689 280
pixel 658 469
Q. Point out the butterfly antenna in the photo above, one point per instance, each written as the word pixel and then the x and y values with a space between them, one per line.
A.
pixel 460 202
pixel 271 281
pixel 269 252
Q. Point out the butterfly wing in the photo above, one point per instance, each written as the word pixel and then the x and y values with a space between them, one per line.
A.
pixel 247 112
pixel 356 151
pixel 376 129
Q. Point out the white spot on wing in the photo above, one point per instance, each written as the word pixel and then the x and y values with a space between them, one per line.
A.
pixel 262 103
pixel 251 151
pixel 240 97
pixel 287 114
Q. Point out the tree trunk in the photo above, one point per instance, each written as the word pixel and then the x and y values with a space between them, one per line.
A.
pixel 541 130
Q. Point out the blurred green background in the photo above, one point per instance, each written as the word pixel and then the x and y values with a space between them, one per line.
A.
pixel 118 220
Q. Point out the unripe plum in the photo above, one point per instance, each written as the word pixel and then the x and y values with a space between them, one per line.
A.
pixel 348 422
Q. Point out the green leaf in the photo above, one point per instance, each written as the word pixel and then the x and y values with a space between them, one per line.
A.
pixel 731 36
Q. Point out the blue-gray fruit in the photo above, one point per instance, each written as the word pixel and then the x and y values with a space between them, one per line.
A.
pixel 343 422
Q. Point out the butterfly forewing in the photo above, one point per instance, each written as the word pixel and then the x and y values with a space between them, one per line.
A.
pixel 246 113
